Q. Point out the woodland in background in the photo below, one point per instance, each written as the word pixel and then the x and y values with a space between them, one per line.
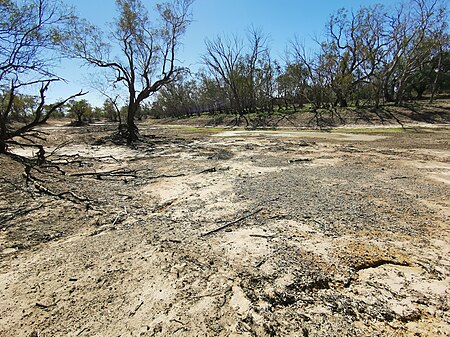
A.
pixel 373 57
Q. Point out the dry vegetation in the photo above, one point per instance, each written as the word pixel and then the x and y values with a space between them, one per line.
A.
pixel 199 232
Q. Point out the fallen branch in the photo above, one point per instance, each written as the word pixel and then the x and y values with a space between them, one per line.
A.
pixel 40 155
pixel 68 159
pixel 29 177
pixel 378 263
pixel 174 241
pixel 19 212
pixel 61 195
pixel 232 222
pixel 102 229
pixel 113 173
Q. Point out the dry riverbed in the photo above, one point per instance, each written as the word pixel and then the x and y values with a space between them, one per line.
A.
pixel 233 233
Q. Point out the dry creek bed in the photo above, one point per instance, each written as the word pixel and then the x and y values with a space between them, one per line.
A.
pixel 200 233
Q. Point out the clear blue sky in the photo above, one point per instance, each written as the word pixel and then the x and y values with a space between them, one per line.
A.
pixel 281 20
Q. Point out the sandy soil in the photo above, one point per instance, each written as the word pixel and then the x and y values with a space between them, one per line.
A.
pixel 201 233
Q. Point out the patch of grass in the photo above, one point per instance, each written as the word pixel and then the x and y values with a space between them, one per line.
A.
pixel 375 130
pixel 197 128
pixel 408 129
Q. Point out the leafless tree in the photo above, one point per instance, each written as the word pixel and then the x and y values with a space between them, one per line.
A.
pixel 223 55
pixel 244 70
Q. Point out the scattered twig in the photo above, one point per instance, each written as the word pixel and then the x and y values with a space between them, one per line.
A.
pixel 260 263
pixel 55 167
pixel 58 147
pixel 81 331
pixel 164 206
pixel 209 170
pixel 300 160
pixel 76 155
pixel 176 320
pixel 109 157
pixel 232 222
pixel 262 236
pixel 45 306
pixel 180 328
pixel 318 222
pixel 136 309
pixel 167 176
pixel 116 218
pixel 101 230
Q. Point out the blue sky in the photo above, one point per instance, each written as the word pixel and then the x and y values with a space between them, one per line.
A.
pixel 281 20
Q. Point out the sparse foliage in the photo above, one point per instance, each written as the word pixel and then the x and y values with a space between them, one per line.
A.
pixel 146 60
pixel 28 33
pixel 370 57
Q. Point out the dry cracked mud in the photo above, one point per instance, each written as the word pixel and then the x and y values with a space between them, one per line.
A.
pixel 208 233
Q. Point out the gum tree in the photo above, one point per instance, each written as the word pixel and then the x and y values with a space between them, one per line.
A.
pixel 28 50
pixel 141 51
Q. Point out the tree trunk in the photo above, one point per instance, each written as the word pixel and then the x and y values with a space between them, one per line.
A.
pixel 3 131
pixel 436 77
pixel 388 95
pixel 131 129
pixel 343 102
pixel 420 92
pixel 3 146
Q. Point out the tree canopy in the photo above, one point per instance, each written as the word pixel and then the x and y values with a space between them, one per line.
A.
pixel 29 47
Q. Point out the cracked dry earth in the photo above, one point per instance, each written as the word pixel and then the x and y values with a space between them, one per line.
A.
pixel 198 233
